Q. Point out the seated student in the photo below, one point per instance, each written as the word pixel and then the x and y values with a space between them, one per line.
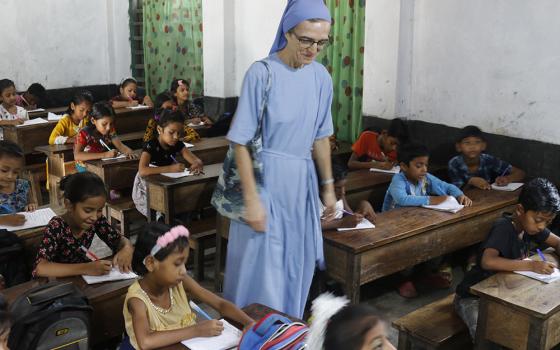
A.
pixel 378 150
pixel 5 323
pixel 128 96
pixel 337 325
pixel 158 156
pixel 478 169
pixel 509 242
pixel 193 114
pixel 156 309
pixel 10 113
pixel 64 249
pixel 341 220
pixel 164 101
pixel 33 97
pixel 73 120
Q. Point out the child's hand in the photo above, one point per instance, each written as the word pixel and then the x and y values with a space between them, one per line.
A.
pixel 123 259
pixel 195 121
pixel 99 267
pixel 131 155
pixel 209 328
pixel 110 154
pixel 70 140
pixel 435 200
pixel 18 121
pixel 31 207
pixel 388 165
pixel 479 182
pixel 177 167
pixel 207 120
pixel 367 211
pixel 350 221
pixel 197 167
pixel 13 220
pixel 542 267
pixel 464 200
pixel 502 181
pixel 132 103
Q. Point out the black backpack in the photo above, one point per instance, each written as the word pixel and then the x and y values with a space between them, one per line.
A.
pixel 12 263
pixel 51 316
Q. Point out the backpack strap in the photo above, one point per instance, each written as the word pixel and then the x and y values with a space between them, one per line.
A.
pixel 50 292
pixel 264 101
pixel 268 321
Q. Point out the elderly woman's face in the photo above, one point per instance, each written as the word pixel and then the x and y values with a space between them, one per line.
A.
pixel 307 39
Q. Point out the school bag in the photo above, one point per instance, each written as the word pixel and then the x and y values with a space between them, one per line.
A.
pixel 274 332
pixel 51 316
pixel 12 263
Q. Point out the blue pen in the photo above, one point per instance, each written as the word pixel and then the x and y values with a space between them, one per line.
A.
pixel 173 157
pixel 504 172
pixel 541 254
pixel 199 310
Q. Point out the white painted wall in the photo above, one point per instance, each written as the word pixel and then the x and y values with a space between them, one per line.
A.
pixel 63 43
pixel 494 63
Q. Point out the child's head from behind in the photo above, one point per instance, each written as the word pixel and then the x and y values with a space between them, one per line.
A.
pixel 162 252
pixel 84 198
pixel 413 159
pixel 35 93
pixel 339 172
pixel 163 101
pixel 7 92
pixel 170 127
pixel 103 117
pixel 471 142
pixel 180 90
pixel 11 162
pixel 394 136
pixel 80 105
pixel 355 327
pixel 5 323
pixel 128 88
pixel 539 202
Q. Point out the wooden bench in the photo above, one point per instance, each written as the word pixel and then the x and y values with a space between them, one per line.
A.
pixel 434 326
pixel 203 236
pixel 120 214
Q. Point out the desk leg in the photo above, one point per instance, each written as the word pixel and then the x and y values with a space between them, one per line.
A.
pixel 169 207
pixel 538 331
pixel 352 284
pixel 481 342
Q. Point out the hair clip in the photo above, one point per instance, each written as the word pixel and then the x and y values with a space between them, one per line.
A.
pixel 168 238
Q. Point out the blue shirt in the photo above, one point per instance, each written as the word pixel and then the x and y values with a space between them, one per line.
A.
pixel 402 193
pixel 489 169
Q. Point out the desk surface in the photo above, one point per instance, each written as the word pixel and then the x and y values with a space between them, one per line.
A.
pixel 211 172
pixel 401 223
pixel 364 179
pixel 69 147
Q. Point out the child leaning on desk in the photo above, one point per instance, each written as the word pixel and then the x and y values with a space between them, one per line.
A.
pixel 10 113
pixel 75 119
pixel 64 249
pixel 156 309
pixel 128 96
pixel 509 242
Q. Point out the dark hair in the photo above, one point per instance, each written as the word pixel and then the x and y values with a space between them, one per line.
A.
pixel 102 110
pixel 147 239
pixel 167 117
pixel 5 316
pixel 10 149
pixel 540 195
pixel 398 129
pixel 348 327
pixel 127 81
pixel 78 98
pixel 175 84
pixel 6 83
pixel 339 170
pixel 80 186
pixel 37 90
pixel 161 98
pixel 409 151
pixel 470 131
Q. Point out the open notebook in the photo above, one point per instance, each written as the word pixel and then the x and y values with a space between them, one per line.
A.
pixel 449 205
pixel 512 186
pixel 138 107
pixel 193 124
pixel 33 122
pixel 52 116
pixel 39 217
pixel 120 156
pixel 395 170
pixel 229 339
pixel 188 145
pixel 363 225
pixel 114 275
pixel 184 173
pixel 555 276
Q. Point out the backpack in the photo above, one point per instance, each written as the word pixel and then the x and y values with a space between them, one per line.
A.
pixel 12 263
pixel 274 332
pixel 51 316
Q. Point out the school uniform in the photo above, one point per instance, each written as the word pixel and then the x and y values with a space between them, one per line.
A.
pixel 21 113
pixel 489 169
pixel 367 148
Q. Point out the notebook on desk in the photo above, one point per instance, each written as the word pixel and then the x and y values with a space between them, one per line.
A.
pixel 512 186
pixel 395 170
pixel 37 218
pixel 554 276
pixel 114 275
pixel 363 225
pixel 449 205
pixel 229 339
pixel 33 122
pixel 177 175
pixel 138 107
pixel 52 116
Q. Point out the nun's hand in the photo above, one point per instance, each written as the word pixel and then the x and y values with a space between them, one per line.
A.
pixel 329 201
pixel 255 215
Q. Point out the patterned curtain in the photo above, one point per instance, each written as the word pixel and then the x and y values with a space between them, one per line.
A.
pixel 172 44
pixel 344 59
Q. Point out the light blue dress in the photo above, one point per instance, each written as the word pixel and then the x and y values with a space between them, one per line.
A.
pixel 275 268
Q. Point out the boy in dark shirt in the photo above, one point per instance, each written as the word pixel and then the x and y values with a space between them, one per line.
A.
pixel 509 242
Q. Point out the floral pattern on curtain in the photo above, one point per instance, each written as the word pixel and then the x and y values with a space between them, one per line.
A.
pixel 172 32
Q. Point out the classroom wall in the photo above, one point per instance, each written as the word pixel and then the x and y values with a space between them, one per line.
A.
pixel 64 43
pixel 491 63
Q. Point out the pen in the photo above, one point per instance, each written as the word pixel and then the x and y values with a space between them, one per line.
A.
pixel 347 212
pixel 541 254
pixel 174 159
pixel 199 310
pixel 504 172
pixel 89 254
pixel 104 144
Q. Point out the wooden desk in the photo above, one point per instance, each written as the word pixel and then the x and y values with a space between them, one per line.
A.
pixel 367 185
pixel 55 110
pixel 107 300
pixel 517 312
pixel 115 173
pixel 405 237
pixel 171 196
pixel 211 150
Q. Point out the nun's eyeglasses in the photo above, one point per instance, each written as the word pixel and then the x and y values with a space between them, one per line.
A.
pixel 307 43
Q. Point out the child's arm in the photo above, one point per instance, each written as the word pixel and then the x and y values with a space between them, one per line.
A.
pixel 81 156
pixel 51 269
pixel 347 221
pixel 366 210
pixel 17 121
pixel 124 149
pixel 12 220
pixel 441 187
pixel 491 260
pixel 397 189
pixel 58 134
pixel 123 104
pixel 224 307
pixel 355 164
pixel 31 201
pixel 554 242
pixel 515 175
pixel 123 259
pixel 144 168
pixel 194 161
pixel 147 101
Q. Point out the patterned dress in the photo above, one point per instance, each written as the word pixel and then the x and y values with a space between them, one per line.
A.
pixel 16 201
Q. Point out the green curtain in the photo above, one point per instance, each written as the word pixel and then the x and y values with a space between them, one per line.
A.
pixel 172 44
pixel 344 59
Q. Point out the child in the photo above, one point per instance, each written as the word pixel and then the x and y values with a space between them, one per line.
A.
pixel 5 324
pixel 15 193
pixel 156 309
pixel 373 150
pixel 158 155
pixel 34 96
pixel 509 242
pixel 10 113
pixel 64 249
pixel 193 113
pixel 128 97
pixel 94 141
pixel 478 169
pixel 364 209
pixel 164 101
pixel 336 325
pixel 414 186
pixel 75 119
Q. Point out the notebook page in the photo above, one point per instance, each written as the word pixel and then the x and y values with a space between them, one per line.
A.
pixel 33 122
pixel 188 145
pixel 35 110
pixel 363 225
pixel 37 218
pixel 512 186
pixel 229 338
pixel 114 275
pixel 117 157
pixel 449 205
pixel 138 107
pixel 541 277
pixel 52 116
pixel 184 173
pixel 395 170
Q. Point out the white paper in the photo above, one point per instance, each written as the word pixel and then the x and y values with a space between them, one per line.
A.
pixel 450 205
pixel 541 277
pixel 395 170
pixel 52 116
pixel 229 338
pixel 193 124
pixel 184 173
pixel 33 122
pixel 512 186
pixel 188 145
pixel 117 157
pixel 114 275
pixel 138 107
pixel 363 225
pixel 35 110
pixel 39 217
pixel 100 248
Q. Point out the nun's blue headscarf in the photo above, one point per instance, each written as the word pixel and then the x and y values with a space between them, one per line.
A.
pixel 296 12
